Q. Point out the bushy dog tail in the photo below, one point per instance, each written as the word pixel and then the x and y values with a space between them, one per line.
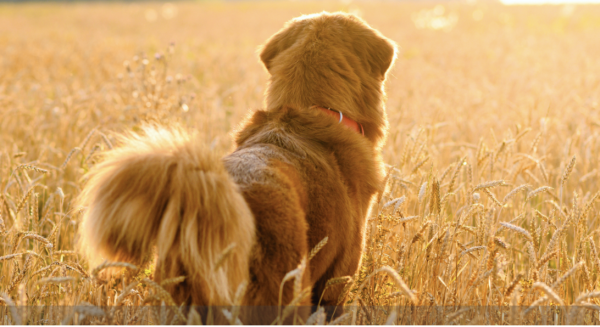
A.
pixel 162 189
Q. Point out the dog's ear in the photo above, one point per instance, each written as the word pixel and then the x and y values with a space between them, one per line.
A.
pixel 377 51
pixel 281 41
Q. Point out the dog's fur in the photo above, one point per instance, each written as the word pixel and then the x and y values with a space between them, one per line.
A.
pixel 296 177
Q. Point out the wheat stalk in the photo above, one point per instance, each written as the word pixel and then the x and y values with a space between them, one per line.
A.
pixel 223 256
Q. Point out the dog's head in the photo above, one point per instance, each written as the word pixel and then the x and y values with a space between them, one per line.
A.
pixel 331 60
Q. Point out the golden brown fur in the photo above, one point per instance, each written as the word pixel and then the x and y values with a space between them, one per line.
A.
pixel 296 177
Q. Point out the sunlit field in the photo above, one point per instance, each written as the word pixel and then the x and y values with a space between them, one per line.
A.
pixel 491 215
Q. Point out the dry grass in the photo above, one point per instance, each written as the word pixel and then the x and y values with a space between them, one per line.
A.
pixel 493 150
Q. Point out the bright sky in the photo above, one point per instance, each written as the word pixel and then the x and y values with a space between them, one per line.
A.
pixel 541 2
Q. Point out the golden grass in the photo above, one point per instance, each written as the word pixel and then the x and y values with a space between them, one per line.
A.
pixel 493 153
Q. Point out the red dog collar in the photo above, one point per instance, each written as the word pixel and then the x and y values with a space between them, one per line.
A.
pixel 344 120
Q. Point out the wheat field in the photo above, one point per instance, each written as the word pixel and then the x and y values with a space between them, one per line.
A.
pixel 490 215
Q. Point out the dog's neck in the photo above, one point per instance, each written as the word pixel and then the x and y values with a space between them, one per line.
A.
pixel 347 121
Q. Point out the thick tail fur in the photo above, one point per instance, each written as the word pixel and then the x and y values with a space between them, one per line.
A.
pixel 162 192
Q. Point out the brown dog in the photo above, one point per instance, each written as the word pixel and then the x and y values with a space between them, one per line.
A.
pixel 296 177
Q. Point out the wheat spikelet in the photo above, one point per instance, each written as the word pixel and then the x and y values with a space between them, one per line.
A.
pixel 501 148
pixel 417 166
pixel 491 259
pixel 455 316
pixel 398 202
pixel 35 237
pixel 459 165
pixel 422 191
pixel 487 185
pixel 31 167
pixel 23 200
pixel 164 295
pixel 586 276
pixel 589 206
pixel 595 253
pixel 434 204
pixel 523 133
pixel 403 287
pixel 535 142
pixel 87 139
pixel 538 191
pixel 586 296
pixel 544 218
pixel 499 242
pixel 445 173
pixel 126 291
pixel 108 264
pixel 514 191
pixel 546 258
pixel 445 199
pixel 480 279
pixel 41 270
pixel 469 176
pixel 536 236
pixel 55 280
pixel 239 293
pixel 549 292
pixel 64 165
pixel 567 274
pixel 513 285
pixel 589 306
pixel 11 256
pixel 345 291
pixel 473 278
pixel 501 228
pixel 419 234
pixel 79 268
pixel 17 240
pixel 92 152
pixel 567 171
pixel 492 196
pixel 403 220
pixel 535 304
pixel 472 249
pixel 519 230
pixel 106 141
pixel 172 281
pixel 19 277
pixel 338 280
pixel 555 237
